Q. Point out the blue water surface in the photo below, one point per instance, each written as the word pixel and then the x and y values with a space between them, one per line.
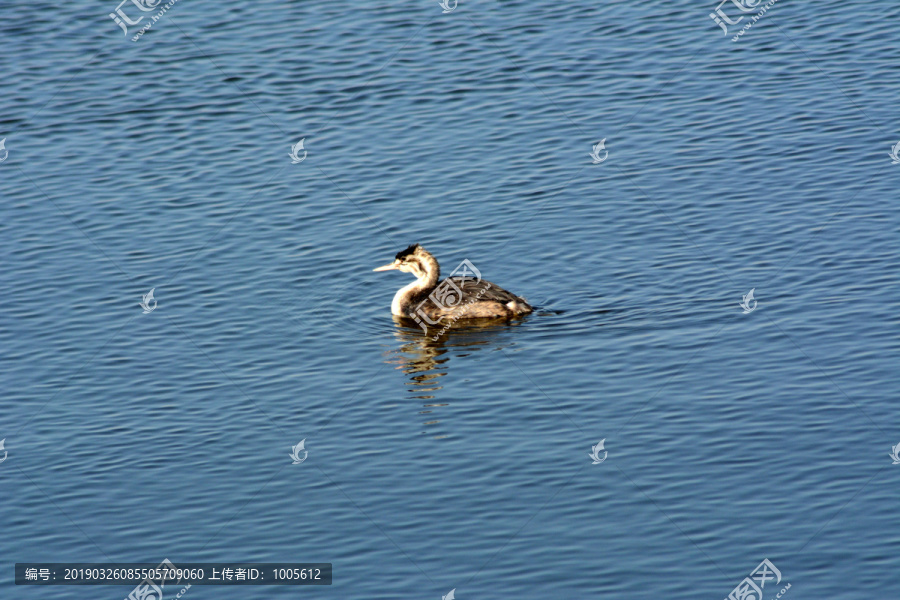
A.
pixel 461 463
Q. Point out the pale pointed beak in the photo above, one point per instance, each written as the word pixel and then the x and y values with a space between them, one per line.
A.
pixel 390 267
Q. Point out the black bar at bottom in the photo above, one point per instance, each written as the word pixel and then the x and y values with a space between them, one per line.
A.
pixel 167 574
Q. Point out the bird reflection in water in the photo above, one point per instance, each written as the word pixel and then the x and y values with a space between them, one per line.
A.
pixel 425 359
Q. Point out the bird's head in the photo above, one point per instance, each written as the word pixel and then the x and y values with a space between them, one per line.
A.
pixel 415 260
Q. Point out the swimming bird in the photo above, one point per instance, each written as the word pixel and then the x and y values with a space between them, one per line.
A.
pixel 458 296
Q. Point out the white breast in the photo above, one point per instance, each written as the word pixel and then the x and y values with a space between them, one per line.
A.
pixel 400 298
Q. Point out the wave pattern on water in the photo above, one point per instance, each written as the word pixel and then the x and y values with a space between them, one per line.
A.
pixel 460 462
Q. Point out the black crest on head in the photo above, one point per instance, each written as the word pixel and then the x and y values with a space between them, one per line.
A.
pixel 404 253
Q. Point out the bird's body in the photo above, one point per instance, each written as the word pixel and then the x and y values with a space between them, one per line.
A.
pixel 457 297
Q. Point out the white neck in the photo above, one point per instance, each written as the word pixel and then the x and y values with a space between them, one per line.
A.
pixel 401 298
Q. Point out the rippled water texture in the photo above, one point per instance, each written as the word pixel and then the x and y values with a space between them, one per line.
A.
pixel 461 462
